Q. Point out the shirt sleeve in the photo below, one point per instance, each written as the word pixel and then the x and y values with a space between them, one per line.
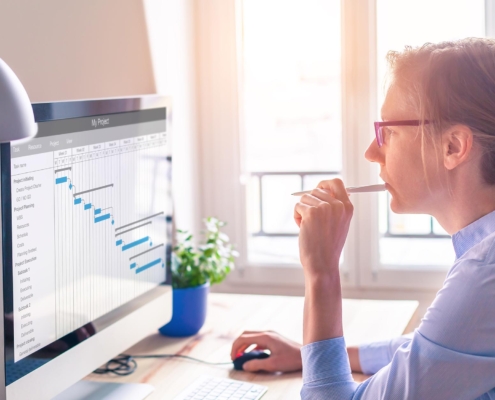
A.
pixel 450 356
pixel 374 356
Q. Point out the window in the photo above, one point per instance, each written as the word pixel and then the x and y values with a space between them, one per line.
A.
pixel 288 93
pixel 291 96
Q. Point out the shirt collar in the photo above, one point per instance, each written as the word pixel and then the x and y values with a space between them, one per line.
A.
pixel 473 234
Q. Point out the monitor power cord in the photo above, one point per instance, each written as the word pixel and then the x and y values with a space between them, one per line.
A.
pixel 125 364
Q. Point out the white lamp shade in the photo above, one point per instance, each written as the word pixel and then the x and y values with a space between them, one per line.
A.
pixel 16 112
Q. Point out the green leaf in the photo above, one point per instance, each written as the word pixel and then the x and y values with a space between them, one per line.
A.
pixel 212 261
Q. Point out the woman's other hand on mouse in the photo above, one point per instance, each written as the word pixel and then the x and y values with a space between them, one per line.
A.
pixel 285 354
pixel 323 218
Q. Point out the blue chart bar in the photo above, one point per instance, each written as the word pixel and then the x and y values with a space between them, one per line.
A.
pixel 136 243
pixel 118 242
pixel 63 179
pixel 97 211
pixel 77 201
pixel 149 265
pixel 87 206
pixel 102 218
pixel 133 265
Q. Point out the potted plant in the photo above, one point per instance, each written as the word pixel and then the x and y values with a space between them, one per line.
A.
pixel 193 271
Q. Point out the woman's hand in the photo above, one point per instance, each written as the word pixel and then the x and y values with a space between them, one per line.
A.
pixel 285 355
pixel 323 218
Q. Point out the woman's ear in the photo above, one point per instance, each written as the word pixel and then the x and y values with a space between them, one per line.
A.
pixel 457 142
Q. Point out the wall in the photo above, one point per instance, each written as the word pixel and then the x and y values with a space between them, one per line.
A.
pixel 64 50
pixel 171 26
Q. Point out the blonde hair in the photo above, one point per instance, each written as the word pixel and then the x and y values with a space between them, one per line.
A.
pixel 452 83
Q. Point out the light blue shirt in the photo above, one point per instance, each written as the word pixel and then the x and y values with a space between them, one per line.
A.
pixel 450 356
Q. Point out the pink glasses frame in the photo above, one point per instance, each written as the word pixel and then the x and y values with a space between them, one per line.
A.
pixel 379 125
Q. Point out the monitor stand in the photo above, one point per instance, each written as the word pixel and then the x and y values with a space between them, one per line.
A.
pixel 91 390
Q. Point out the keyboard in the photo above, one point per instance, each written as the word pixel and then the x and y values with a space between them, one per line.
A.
pixel 210 388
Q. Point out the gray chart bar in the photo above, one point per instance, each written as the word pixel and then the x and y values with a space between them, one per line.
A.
pixel 128 230
pixel 147 251
pixel 92 190
pixel 138 221
pixel 63 169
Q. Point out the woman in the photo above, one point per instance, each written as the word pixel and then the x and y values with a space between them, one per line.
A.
pixel 436 151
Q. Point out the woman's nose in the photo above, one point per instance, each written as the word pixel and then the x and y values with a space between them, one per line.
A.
pixel 374 154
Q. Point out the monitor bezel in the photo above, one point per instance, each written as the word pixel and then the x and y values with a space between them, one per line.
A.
pixel 52 111
pixel 56 110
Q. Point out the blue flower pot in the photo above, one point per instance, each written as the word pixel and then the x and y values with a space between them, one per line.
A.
pixel 189 311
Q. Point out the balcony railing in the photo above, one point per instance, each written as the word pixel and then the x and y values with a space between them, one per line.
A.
pixel 302 175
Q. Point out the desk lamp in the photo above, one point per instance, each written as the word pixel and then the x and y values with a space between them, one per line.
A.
pixel 16 113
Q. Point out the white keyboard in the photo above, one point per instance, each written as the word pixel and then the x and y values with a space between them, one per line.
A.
pixel 209 388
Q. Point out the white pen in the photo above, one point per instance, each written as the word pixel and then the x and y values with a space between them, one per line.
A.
pixel 357 189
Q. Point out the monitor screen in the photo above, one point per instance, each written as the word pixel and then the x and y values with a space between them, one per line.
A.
pixel 85 209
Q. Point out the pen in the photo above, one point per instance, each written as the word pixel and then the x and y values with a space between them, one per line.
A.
pixel 357 189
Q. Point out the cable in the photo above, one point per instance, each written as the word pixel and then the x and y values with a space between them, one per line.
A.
pixel 122 365
pixel 179 356
pixel 125 364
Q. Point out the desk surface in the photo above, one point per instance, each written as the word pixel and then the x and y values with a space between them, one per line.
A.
pixel 229 315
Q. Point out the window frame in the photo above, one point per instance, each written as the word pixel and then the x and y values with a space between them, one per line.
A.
pixel 218 33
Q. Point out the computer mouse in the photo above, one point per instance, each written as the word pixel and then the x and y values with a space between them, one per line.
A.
pixel 239 361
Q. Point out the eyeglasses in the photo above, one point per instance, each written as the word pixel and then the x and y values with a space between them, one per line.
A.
pixel 380 125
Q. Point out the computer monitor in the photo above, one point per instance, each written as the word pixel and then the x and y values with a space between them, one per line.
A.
pixel 86 232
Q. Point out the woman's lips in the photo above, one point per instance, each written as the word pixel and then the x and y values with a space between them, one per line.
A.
pixel 387 186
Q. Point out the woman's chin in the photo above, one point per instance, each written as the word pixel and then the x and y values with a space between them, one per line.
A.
pixel 400 207
pixel 397 207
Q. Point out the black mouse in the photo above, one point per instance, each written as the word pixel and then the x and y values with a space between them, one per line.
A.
pixel 239 361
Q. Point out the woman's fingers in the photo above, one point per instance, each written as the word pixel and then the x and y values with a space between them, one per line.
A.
pixel 246 340
pixel 299 211
pixel 285 355
pixel 337 190
pixel 310 200
pixel 327 191
pixel 324 218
